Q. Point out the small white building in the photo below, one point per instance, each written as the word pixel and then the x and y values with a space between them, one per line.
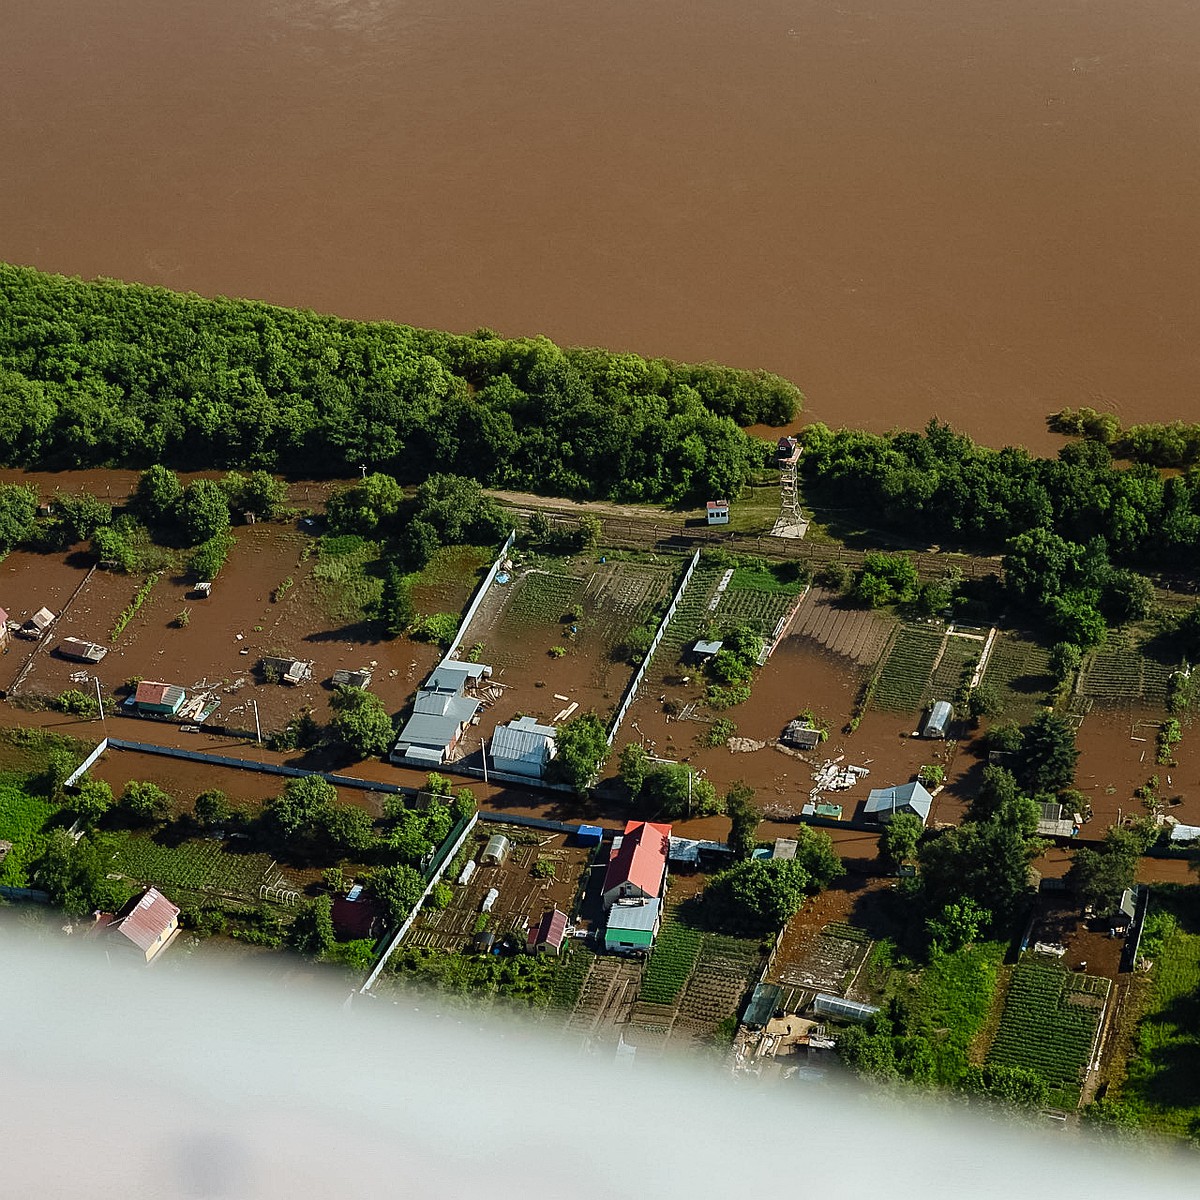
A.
pixel 717 512
pixel 523 747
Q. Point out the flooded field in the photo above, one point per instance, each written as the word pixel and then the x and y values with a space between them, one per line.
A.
pixel 916 208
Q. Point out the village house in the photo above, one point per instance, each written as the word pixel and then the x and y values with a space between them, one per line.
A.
pixel 441 713
pixel 637 865
pixel 632 926
pixel 160 699
pixel 149 923
pixel 35 628
pixel 523 747
pixel 78 650
pixel 546 936
pixel 884 803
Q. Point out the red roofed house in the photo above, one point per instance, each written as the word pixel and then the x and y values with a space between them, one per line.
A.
pixel 164 698
pixel 637 866
pixel 548 934
pixel 150 921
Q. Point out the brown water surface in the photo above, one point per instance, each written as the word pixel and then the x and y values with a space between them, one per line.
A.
pixel 979 210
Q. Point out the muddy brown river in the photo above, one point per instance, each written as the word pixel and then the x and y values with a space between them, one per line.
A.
pixel 979 210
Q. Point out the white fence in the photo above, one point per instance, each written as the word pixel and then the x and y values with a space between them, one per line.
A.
pixel 412 916
pixel 83 767
pixel 636 681
pixel 488 580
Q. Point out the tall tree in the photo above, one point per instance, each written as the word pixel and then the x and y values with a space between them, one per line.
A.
pixel 744 818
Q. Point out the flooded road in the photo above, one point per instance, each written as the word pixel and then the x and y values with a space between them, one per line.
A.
pixel 928 206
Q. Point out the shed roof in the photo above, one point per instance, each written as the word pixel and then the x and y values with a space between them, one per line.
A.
pixel 151 692
pixel 639 917
pixel 640 859
pixel 761 1006
pixel 550 930
pixel 146 918
pixel 707 648
pixel 716 504
pixel 905 797
pixel 524 741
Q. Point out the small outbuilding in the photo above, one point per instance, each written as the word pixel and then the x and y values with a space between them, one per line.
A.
pixel 35 628
pixel 762 1005
pixel 78 650
pixel 802 734
pixel 523 747
pixel 484 942
pixel 163 699
pixel 884 803
pixel 589 835
pixel 496 851
pixel 547 935
pixel 717 512
pixel 149 923
pixel 358 679
pixel 1120 923
pixel 826 1005
pixel 287 670
pixel 937 724
pixel 489 901
pixel 632 926
pixel 703 651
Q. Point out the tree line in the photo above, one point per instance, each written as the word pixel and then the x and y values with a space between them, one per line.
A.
pixel 107 373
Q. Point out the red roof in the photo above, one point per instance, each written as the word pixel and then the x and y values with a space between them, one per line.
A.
pixel 145 919
pixel 151 693
pixel 640 859
pixel 550 930
pixel 717 504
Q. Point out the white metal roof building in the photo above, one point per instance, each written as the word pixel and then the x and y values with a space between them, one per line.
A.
pixel 523 747
pixel 884 803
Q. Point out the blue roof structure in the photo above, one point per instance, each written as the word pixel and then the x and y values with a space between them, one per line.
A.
pixel 884 803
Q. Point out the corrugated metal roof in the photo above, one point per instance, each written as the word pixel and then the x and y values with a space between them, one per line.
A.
pixel 531 743
pixel 550 930
pixel 150 692
pixel 147 920
pixel 911 797
pixel 641 916
pixel 640 859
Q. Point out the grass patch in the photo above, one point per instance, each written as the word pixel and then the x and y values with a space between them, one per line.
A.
pixel 1018 671
pixel 1049 1024
pixel 762 579
pixel 23 820
pixel 519 979
pixel 1162 1083
pixel 349 589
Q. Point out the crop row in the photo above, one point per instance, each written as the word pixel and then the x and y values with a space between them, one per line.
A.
pixel 197 866
pixel 1041 1029
pixel 671 962
pixel 905 674
pixel 543 597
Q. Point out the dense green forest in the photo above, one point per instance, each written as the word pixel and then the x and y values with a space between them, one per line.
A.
pixel 1170 444
pixel 106 373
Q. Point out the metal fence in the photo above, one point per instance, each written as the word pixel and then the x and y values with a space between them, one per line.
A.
pixel 636 682
pixel 480 593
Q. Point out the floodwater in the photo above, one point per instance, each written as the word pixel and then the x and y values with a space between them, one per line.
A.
pixel 922 207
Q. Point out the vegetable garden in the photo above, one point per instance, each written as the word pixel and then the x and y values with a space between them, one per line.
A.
pixel 198 866
pixel 671 962
pixel 1049 1024
pixel 905 675
pixel 22 820
pixel 1119 673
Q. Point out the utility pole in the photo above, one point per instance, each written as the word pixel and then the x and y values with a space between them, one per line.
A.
pixel 485 778
pixel 100 702
pixel 257 726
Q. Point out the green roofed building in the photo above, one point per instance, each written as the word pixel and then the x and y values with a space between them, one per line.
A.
pixel 632 928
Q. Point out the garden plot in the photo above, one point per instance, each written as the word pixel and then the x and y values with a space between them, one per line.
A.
pixel 200 865
pixel 856 633
pixel 907 671
pixel 1018 671
pixel 1121 675
pixel 956 663
pixel 827 962
pixel 725 971
pixel 1049 1024
pixel 523 896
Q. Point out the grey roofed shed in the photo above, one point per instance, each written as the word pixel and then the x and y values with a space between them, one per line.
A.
pixel 938 721
pixel 523 747
pixel 884 803
pixel 496 850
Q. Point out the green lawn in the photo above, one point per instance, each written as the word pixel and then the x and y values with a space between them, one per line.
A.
pixel 343 572
pixel 1163 1073
pixel 22 820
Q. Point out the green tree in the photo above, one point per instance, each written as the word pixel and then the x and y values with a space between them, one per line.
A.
pixel 299 810
pixel 397 889
pixel 673 791
pixel 362 723
pixel 582 748
pixel 145 802
pixel 1099 877
pixel 986 861
pixel 632 767
pixel 212 809
pixel 957 925
pixel 367 508
pixel 206 561
pixel 590 531
pixel 78 516
pixel 744 818
pixel 463 806
pixel 158 495
pixel 18 515
pixel 983 702
pixel 1048 754
pixel 312 930
pixel 900 837
pixel 1065 660
pixel 92 800
pixel 815 852
pixel 203 511
pixel 997 788
pixel 760 894
pixel 75 874
pixel 347 828
pixel 1017 1086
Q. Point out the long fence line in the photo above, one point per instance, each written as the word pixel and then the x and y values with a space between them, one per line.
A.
pixel 480 593
pixel 675 537
pixel 636 682
pixel 434 879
